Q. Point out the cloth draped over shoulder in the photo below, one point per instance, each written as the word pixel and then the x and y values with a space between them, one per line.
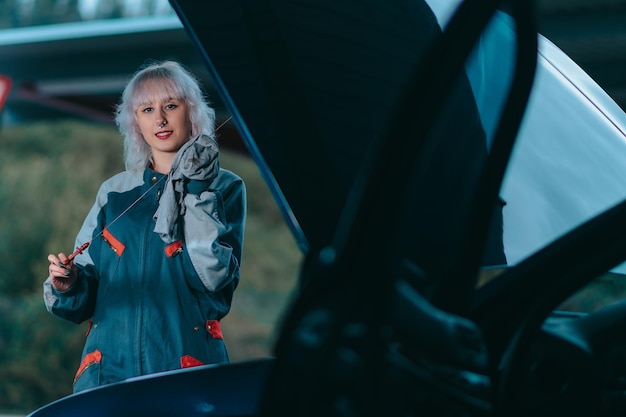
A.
pixel 196 160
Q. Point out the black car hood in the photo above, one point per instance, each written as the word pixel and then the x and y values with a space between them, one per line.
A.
pixel 314 88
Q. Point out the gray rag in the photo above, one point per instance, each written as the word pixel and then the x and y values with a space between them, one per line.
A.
pixel 196 160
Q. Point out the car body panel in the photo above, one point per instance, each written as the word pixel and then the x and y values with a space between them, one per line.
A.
pixel 216 390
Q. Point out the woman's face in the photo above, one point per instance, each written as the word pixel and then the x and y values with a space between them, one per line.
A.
pixel 163 120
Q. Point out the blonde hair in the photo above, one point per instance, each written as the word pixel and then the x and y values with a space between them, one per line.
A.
pixel 178 83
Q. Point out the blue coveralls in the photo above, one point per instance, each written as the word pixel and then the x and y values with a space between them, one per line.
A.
pixel 153 306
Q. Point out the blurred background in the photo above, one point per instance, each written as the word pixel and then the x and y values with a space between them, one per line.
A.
pixel 67 62
pixel 50 174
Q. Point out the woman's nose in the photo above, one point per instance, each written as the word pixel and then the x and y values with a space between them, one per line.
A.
pixel 161 121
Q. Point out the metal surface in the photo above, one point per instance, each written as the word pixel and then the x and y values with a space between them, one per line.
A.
pixel 592 33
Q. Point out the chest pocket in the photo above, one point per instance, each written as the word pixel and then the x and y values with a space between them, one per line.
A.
pixel 117 246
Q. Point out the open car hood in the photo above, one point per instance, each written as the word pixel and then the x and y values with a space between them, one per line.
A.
pixel 314 100
pixel 311 100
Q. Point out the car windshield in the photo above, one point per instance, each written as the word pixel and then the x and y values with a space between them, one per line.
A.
pixel 567 163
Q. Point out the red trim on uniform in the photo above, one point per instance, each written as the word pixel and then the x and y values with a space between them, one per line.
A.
pixel 174 249
pixel 89 324
pixel 214 328
pixel 89 359
pixel 117 246
pixel 189 361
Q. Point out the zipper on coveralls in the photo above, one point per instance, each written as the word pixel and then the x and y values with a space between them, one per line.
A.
pixel 139 324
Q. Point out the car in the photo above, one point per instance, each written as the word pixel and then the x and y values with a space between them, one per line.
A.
pixel 434 164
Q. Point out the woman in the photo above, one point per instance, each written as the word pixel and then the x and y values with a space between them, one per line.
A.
pixel 161 246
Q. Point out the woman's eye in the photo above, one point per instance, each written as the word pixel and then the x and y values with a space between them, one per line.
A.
pixel 147 110
pixel 171 106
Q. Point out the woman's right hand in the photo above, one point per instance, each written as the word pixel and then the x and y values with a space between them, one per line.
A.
pixel 62 276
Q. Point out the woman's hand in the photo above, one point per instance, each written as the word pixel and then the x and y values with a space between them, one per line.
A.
pixel 62 276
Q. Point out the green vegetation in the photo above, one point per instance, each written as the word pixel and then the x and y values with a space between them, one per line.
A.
pixel 50 175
